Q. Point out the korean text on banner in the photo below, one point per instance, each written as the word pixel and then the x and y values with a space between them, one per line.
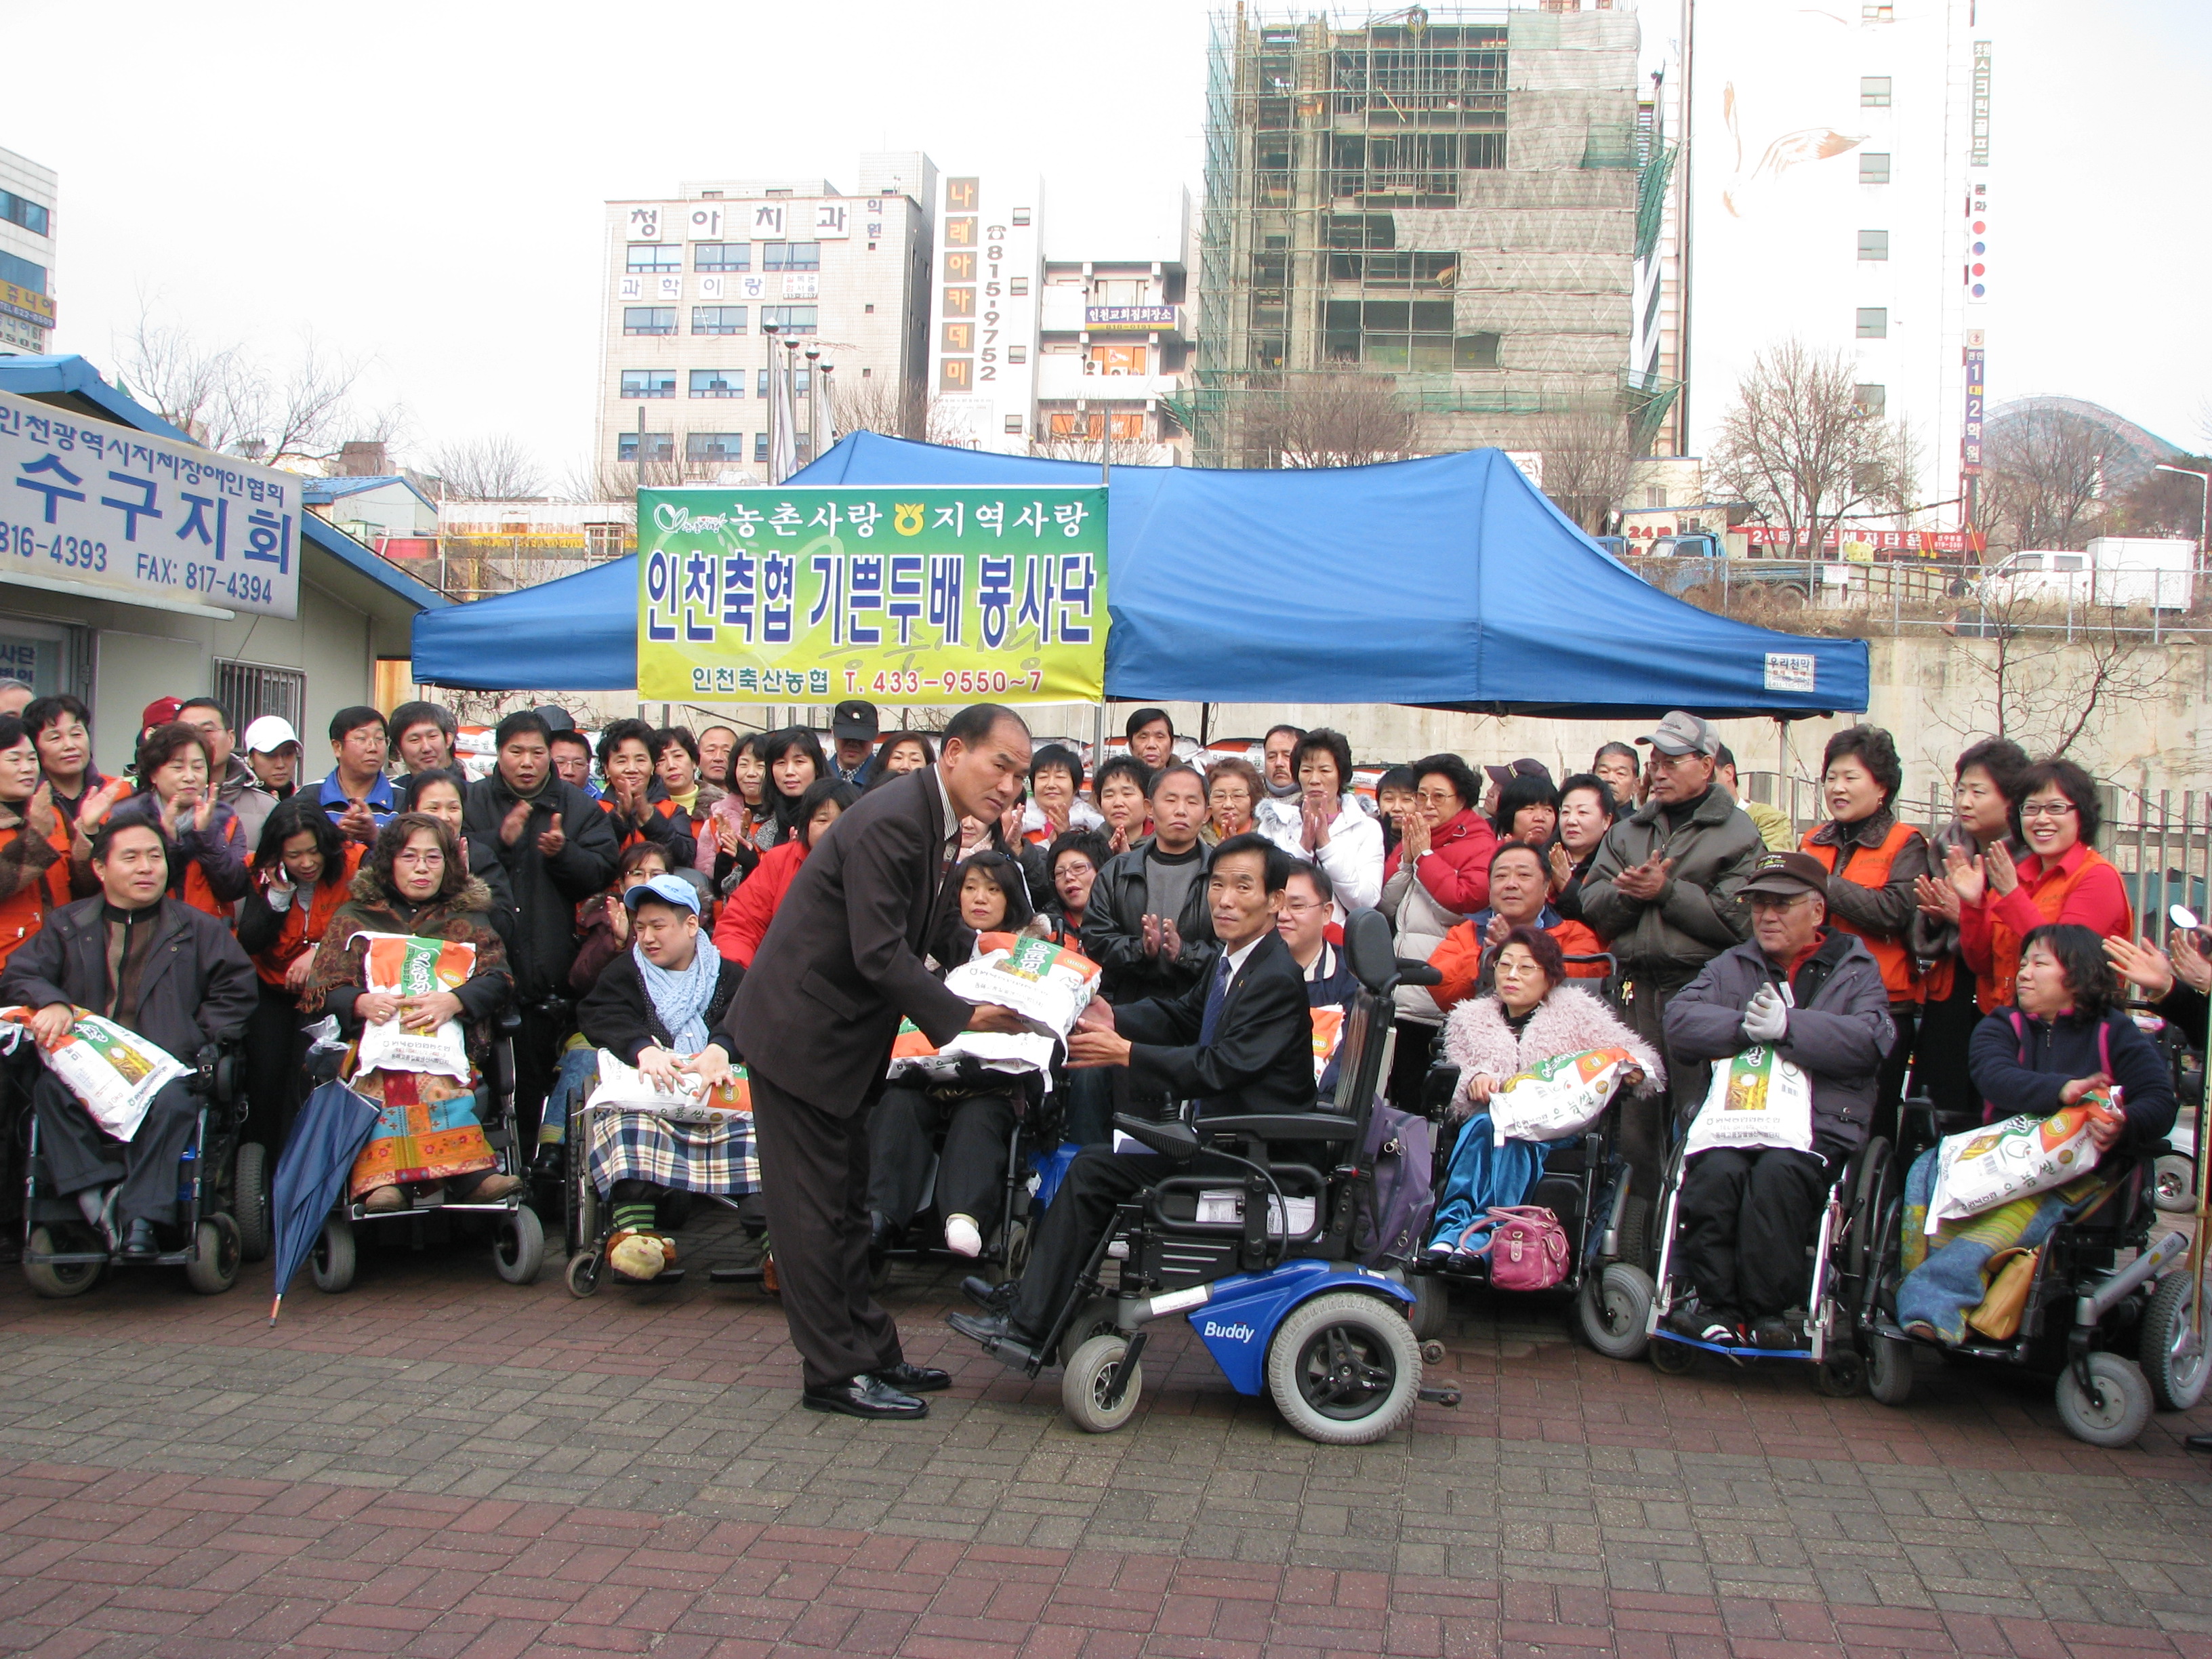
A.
pixel 144 518
pixel 898 594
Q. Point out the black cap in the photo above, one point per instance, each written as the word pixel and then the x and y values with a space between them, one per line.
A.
pixel 853 721
pixel 557 718
pixel 1785 875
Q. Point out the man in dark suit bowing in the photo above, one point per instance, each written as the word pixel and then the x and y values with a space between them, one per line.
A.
pixel 1239 1041
pixel 815 1020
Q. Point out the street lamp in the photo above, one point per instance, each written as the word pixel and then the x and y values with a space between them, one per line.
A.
pixel 2203 510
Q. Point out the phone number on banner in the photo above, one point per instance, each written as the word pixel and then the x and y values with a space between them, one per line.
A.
pixel 886 682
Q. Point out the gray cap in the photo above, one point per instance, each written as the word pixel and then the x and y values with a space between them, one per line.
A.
pixel 1683 733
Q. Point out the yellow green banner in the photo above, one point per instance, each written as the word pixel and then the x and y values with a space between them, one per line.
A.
pixel 898 594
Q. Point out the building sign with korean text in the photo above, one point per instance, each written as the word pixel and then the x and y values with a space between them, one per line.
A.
pixel 1931 543
pixel 898 594
pixel 26 304
pixel 1128 319
pixel 143 518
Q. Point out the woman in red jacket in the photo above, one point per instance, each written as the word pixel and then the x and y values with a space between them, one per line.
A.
pixel 745 918
pixel 1438 873
pixel 302 872
pixel 2056 816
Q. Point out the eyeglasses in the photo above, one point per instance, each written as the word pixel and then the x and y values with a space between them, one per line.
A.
pixel 2046 809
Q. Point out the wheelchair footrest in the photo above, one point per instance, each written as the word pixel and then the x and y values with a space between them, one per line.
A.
pixel 732 1275
pixel 1440 1396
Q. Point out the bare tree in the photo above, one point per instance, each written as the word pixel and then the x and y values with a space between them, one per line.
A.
pixel 1589 452
pixel 2165 503
pixel 485 470
pixel 240 405
pixel 1798 445
pixel 898 409
pixel 1331 419
pixel 2043 479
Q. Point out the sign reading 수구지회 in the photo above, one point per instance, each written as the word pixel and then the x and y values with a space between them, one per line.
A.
pixel 897 594
pixel 98 506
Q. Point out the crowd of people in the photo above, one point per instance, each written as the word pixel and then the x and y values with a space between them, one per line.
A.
pixel 616 889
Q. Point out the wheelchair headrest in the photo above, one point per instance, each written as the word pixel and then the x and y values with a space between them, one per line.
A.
pixel 1368 947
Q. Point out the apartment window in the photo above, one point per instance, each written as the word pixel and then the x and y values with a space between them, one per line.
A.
pixel 19 211
pixel 1475 351
pixel 1873 245
pixel 1873 166
pixel 1116 360
pixel 713 446
pixel 868 310
pixel 1021 215
pixel 718 320
pixel 791 256
pixel 722 256
pixel 1017 286
pixel 1874 91
pixel 649 383
pixel 659 446
pixel 247 691
pixel 1018 354
pixel 648 320
pixel 789 320
pixel 1873 322
pixel 760 447
pixel 656 256
pixel 718 383
pixel 22 273
pixel 1014 426
pixel 799 385
pixel 1870 400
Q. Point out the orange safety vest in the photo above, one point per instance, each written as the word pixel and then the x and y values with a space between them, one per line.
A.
pixel 1869 867
pixel 305 924
pixel 23 913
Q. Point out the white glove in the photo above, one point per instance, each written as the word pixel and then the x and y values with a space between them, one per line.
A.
pixel 1767 1019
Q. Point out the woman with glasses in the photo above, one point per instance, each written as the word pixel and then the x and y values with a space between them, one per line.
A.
pixel 2061 879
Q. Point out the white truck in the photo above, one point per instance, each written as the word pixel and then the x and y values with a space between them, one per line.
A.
pixel 2132 572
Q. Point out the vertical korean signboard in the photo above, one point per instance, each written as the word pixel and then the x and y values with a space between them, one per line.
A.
pixel 99 507
pixel 896 594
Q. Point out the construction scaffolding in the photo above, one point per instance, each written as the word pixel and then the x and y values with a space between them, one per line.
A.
pixel 1448 198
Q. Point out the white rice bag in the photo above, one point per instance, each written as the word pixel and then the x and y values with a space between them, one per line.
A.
pixel 1559 1097
pixel 115 1073
pixel 1981 1168
pixel 406 965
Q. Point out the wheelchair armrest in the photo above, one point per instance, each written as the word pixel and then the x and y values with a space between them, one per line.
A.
pixel 1437 1088
pixel 1173 1140
pixel 508 1021
pixel 1413 972
pixel 1281 1125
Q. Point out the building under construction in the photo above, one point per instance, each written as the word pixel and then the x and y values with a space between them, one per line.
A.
pixel 1446 198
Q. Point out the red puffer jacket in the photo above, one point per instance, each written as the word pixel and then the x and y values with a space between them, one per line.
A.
pixel 1456 868
pixel 745 918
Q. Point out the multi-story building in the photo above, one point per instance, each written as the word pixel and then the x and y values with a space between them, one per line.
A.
pixel 26 254
pixel 1832 189
pixel 1448 198
pixel 702 287
pixel 1116 342
pixel 983 325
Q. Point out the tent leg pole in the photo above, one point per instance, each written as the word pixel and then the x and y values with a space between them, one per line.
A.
pixel 1098 736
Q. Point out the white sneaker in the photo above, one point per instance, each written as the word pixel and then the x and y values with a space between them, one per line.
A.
pixel 962 1237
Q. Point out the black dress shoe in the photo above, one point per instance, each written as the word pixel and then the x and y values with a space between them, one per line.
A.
pixel 914 1379
pixel 998 1337
pixel 864 1396
pixel 139 1244
pixel 991 1299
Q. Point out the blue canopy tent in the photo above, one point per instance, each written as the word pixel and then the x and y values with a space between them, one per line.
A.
pixel 1446 582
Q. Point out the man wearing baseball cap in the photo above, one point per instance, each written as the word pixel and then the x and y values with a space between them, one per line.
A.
pixel 1813 993
pixel 852 729
pixel 1663 892
pixel 272 749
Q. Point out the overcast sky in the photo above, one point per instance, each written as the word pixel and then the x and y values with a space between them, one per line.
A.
pixel 419 185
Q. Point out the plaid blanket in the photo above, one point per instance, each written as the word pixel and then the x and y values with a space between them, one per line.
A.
pixel 696 1157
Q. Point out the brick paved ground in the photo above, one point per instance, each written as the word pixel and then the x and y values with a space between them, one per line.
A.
pixel 437 1463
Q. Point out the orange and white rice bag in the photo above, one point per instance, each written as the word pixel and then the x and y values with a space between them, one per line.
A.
pixel 407 965
pixel 1556 1098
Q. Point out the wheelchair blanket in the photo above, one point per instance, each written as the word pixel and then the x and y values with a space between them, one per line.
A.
pixel 427 1129
pixel 114 1073
pixel 719 1158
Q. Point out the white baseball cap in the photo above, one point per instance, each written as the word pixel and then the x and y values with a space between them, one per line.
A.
pixel 268 734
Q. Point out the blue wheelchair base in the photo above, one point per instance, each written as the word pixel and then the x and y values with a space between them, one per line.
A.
pixel 1238 1319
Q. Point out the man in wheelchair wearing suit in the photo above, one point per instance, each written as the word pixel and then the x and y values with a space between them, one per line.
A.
pixel 153 965
pixel 1241 1041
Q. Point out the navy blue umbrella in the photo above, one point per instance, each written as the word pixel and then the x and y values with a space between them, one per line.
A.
pixel 331 1129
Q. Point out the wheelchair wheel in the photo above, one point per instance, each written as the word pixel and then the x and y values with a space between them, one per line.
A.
pixel 1083 1385
pixel 1868 1201
pixel 1613 1311
pixel 1841 1375
pixel 53 1280
pixel 1016 1258
pixel 583 1273
pixel 1432 1308
pixel 2113 1410
pixel 2177 1380
pixel 1889 1369
pixel 1638 1247
pixel 2173 1184
pixel 330 1263
pixel 217 1250
pixel 518 1251
pixel 250 1200
pixel 1672 1358
pixel 1094 1318
pixel 1345 1369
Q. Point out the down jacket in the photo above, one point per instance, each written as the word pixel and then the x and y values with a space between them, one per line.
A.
pixel 1839 1032
pixel 1353 856
pixel 1568 1021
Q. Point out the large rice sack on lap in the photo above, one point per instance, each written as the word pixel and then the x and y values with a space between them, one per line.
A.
pixel 1558 1098
pixel 114 1073
pixel 1757 1098
pixel 631 1089
pixel 1049 983
pixel 1981 1168
pixel 406 965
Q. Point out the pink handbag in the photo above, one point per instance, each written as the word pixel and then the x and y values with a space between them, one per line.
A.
pixel 1526 1248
